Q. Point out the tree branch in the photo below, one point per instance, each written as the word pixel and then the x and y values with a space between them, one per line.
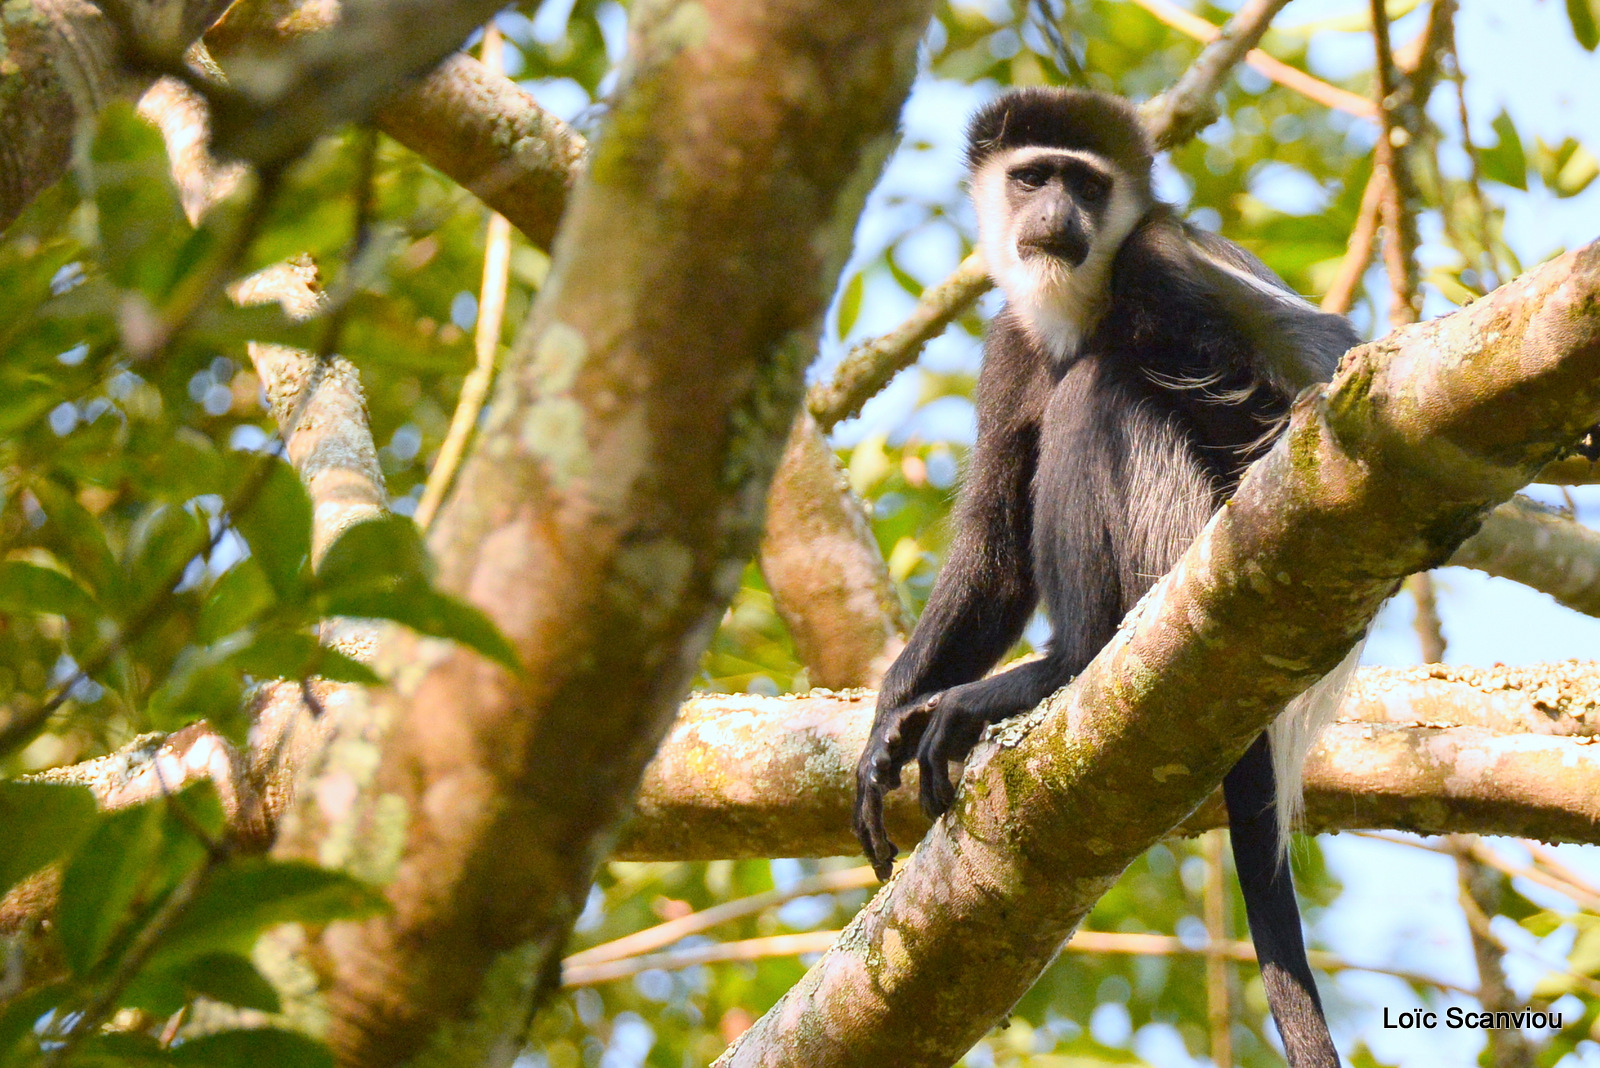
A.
pixel 826 573
pixel 1541 548
pixel 869 366
pixel 493 138
pixel 745 776
pixel 1190 106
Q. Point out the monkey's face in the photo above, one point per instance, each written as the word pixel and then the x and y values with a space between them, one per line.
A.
pixel 1050 221
pixel 1058 200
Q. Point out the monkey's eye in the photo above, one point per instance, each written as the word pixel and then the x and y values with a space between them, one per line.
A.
pixel 1030 177
pixel 1094 189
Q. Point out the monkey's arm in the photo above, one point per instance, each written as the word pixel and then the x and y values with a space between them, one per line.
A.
pixel 985 591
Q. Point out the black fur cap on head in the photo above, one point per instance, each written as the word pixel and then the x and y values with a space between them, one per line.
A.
pixel 1039 116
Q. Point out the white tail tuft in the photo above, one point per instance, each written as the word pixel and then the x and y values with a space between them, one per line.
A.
pixel 1295 731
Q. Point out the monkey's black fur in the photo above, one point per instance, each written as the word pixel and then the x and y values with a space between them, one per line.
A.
pixel 1091 474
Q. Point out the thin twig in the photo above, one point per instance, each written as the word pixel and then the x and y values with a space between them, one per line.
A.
pixel 1219 1007
pixel 790 945
pixel 1191 104
pixel 1358 253
pixel 133 959
pixel 664 934
pixel 1429 628
pixel 1131 944
pixel 1563 881
pixel 869 366
pixel 1574 888
pixel 360 235
pixel 1546 858
pixel 1400 192
pixel 486 337
pixel 1480 898
pixel 1299 81
pixel 1491 262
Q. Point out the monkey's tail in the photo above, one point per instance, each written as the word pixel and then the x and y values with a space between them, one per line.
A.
pixel 1274 915
pixel 1292 735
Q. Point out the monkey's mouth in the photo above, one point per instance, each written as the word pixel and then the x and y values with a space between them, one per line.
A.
pixel 1066 247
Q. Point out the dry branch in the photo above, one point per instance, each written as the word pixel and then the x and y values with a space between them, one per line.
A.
pixel 1108 942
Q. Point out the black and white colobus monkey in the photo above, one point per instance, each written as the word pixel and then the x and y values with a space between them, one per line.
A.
pixel 1138 366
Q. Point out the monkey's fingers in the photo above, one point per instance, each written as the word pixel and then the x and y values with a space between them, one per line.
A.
pixel 870 831
pixel 938 792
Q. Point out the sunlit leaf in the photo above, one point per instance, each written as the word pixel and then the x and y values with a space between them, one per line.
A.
pixel 28 589
pixel 40 821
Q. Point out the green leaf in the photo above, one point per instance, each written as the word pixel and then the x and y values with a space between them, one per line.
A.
pixel 1585 18
pixel 160 546
pixel 121 1049
pixel 253 1049
pixel 230 979
pixel 224 977
pixel 850 303
pixel 187 465
pixel 76 537
pixel 1505 162
pixel 40 821
pixel 237 600
pixel 105 880
pixel 28 589
pixel 427 611
pixel 907 282
pixel 297 655
pixel 1580 169
pixel 380 552
pixel 276 522
pixel 126 866
pixel 201 685
pixel 246 896
pixel 379 570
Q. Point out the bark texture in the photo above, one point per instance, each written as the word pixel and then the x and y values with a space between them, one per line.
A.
pixel 744 776
pixel 1381 475
pixel 827 576
pixel 479 128
pixel 605 515
pixel 1540 547
pixel 60 68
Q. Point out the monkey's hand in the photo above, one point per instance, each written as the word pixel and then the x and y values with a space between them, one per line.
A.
pixel 957 719
pixel 893 741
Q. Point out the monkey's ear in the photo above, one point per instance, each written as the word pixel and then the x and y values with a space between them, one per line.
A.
pixel 1293 343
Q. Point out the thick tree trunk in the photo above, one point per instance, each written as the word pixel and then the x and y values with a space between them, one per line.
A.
pixel 613 498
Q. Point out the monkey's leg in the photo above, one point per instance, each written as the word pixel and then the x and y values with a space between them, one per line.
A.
pixel 1274 915
pixel 959 714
